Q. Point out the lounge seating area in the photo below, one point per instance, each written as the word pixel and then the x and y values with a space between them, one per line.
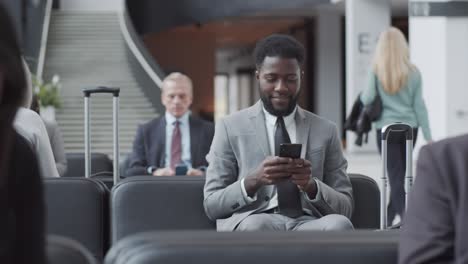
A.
pixel 256 247
pixel 266 132
pixel 85 210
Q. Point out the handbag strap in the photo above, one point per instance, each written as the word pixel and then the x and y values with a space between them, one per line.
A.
pixel 376 86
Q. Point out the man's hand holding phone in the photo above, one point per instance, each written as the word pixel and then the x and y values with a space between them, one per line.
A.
pixel 301 171
pixel 271 171
pixel 164 172
pixel 301 176
pixel 289 166
pixel 194 172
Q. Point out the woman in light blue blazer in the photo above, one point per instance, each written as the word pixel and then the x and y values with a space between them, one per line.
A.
pixel 399 85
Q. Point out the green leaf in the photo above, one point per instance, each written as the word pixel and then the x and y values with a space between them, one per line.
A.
pixel 48 93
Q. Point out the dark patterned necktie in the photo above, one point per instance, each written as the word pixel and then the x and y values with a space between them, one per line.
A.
pixel 289 201
pixel 176 146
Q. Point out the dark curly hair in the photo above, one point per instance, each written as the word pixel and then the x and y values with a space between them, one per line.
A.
pixel 278 45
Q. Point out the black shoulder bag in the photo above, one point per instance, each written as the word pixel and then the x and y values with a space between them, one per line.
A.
pixel 374 109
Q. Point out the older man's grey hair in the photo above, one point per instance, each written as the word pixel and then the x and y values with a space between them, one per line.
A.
pixel 178 77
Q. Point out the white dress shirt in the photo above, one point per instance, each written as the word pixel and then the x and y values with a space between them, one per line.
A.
pixel 270 123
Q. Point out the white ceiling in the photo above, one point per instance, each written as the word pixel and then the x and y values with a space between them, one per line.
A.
pixel 399 8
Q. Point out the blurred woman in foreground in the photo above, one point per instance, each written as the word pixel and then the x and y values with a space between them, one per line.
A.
pixel 21 197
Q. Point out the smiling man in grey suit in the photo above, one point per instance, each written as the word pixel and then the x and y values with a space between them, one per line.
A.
pixel 248 187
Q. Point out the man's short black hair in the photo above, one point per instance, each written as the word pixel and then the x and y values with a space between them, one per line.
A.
pixel 278 45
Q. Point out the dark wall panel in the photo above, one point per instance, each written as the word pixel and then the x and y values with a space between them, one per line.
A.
pixel 28 18
pixel 149 17
pixel 154 16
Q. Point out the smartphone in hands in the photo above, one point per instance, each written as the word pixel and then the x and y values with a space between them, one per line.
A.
pixel 289 150
pixel 181 170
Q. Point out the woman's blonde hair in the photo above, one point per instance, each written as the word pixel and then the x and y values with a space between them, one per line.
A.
pixel 391 60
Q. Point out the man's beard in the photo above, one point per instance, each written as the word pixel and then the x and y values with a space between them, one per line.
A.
pixel 270 109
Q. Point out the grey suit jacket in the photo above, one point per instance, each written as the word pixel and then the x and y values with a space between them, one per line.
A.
pixel 240 144
pixel 435 228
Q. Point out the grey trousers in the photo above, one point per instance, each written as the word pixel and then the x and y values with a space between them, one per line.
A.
pixel 267 221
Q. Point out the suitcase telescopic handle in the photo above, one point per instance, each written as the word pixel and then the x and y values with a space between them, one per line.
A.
pixel 386 130
pixel 115 120
pixel 398 127
pixel 101 89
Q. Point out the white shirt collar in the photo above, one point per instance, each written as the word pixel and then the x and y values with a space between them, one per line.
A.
pixel 271 119
pixel 170 119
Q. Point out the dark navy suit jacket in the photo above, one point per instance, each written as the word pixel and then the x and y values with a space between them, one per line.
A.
pixel 149 147
pixel 435 228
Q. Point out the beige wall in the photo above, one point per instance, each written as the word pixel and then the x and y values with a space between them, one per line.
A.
pixel 192 53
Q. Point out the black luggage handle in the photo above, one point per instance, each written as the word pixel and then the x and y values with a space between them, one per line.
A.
pixel 101 89
pixel 398 127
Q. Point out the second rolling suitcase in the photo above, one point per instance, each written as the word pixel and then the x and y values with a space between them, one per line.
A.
pixel 386 131
pixel 115 117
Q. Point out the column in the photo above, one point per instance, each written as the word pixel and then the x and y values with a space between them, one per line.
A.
pixel 329 71
pixel 439 48
pixel 365 19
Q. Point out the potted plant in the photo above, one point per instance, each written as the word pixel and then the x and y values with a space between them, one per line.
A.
pixel 48 96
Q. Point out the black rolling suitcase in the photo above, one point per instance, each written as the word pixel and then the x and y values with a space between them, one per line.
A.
pixel 408 130
pixel 109 180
